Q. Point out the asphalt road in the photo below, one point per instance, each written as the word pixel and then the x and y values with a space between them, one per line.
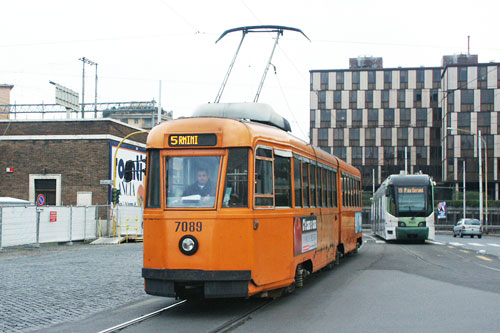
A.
pixel 386 287
pixel 487 244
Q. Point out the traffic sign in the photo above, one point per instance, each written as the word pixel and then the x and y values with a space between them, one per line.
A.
pixel 40 200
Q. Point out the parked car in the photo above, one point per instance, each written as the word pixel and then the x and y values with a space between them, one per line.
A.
pixel 471 227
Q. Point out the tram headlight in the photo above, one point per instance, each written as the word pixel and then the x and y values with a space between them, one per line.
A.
pixel 188 245
pixel 422 224
pixel 401 224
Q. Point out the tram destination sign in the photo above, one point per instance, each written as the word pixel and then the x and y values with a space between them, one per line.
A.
pixel 184 140
pixel 410 190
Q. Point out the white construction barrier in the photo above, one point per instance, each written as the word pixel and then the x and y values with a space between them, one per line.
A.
pixel 23 225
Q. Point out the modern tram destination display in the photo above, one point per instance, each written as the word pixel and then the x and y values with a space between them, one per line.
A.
pixel 402 208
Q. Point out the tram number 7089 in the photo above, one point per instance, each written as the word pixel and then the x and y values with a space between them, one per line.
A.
pixel 190 226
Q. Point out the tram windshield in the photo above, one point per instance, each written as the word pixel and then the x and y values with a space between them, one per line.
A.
pixel 192 181
pixel 411 201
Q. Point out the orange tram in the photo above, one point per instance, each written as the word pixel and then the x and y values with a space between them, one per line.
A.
pixel 236 206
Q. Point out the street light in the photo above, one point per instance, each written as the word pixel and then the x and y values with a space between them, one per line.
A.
pixel 480 174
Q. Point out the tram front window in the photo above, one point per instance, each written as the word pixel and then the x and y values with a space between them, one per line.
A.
pixel 411 201
pixel 192 180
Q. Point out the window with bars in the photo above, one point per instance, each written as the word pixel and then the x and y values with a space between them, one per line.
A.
pixel 337 99
pixel 369 99
pixel 387 79
pixel 353 99
pixel 403 79
pixel 324 80
pixel 338 137
pixel 370 136
pixel 340 80
pixel 388 117
pixel 422 117
pixel 404 117
pixel 357 118
pixel 467 100
pixel 401 98
pixel 420 78
pixel 487 99
pixel 355 80
pixel 386 136
pixel 325 118
pixel 372 79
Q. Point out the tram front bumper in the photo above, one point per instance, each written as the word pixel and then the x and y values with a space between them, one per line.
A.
pixel 163 282
pixel 412 233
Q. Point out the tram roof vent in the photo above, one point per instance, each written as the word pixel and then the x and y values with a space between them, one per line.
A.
pixel 258 112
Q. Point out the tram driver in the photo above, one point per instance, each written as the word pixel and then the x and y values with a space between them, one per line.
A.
pixel 202 187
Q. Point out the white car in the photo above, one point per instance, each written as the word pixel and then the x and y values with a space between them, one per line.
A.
pixel 470 227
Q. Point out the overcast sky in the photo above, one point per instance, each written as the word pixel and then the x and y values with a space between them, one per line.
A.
pixel 138 43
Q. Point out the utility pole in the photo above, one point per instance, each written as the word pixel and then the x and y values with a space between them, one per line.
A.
pixel 89 62
pixel 463 171
pixel 95 99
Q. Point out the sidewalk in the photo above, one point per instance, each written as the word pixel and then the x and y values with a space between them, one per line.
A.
pixel 42 287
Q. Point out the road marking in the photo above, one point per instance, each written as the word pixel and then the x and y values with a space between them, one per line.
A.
pixel 494 269
pixel 434 242
pixel 476 244
pixel 493 244
pixel 464 251
pixel 366 235
pixel 380 242
pixel 484 258
pixel 139 319
pixel 451 247
pixel 456 244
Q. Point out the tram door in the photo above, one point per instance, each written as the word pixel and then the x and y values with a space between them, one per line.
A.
pixel 273 216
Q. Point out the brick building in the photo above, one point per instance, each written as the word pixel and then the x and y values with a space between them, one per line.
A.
pixel 65 159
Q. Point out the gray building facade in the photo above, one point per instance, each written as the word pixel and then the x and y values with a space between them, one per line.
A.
pixel 383 120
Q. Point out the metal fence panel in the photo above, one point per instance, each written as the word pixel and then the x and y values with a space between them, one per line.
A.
pixel 129 220
pixel 57 230
pixel 18 226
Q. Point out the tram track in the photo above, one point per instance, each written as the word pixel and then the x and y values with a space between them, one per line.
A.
pixel 226 326
pixel 240 320
pixel 137 320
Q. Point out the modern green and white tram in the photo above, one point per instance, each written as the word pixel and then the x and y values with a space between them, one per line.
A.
pixel 403 209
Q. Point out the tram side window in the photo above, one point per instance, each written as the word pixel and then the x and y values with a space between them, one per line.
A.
pixel 305 183
pixel 360 194
pixel 430 207
pixel 282 181
pixel 343 189
pixel 334 188
pixel 349 189
pixel 313 185
pixel 319 187
pixel 264 178
pixel 236 185
pixel 328 183
pixel 391 207
pixel 154 180
pixel 325 187
pixel 297 182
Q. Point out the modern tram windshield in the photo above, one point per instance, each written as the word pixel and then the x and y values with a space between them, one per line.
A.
pixel 192 181
pixel 411 201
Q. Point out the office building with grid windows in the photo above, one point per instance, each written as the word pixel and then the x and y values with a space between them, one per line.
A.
pixel 383 120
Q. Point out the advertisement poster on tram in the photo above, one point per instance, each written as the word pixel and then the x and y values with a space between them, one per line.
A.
pixel 132 193
pixel 305 234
